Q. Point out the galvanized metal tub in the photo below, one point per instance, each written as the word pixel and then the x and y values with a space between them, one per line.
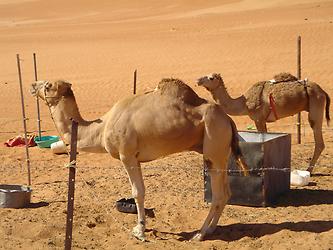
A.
pixel 268 157
pixel 14 196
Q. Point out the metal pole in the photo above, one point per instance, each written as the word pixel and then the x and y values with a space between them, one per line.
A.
pixel 299 78
pixel 24 119
pixel 37 101
pixel 134 84
pixel 71 187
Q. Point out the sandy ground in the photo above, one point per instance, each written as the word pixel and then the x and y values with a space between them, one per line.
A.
pixel 97 45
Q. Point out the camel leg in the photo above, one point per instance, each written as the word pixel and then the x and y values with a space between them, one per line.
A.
pixel 220 196
pixel 226 195
pixel 261 126
pixel 138 192
pixel 315 118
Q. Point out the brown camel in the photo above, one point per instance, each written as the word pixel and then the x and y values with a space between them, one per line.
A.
pixel 170 119
pixel 268 101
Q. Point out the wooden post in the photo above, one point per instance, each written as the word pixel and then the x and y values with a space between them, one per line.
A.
pixel 299 78
pixel 37 100
pixel 71 187
pixel 134 83
pixel 24 119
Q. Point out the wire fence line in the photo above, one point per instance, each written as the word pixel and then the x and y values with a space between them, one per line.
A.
pixel 147 169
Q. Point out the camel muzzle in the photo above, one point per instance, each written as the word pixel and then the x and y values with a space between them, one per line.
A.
pixel 33 89
pixel 36 86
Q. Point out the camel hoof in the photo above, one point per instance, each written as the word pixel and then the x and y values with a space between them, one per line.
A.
pixel 197 237
pixel 138 233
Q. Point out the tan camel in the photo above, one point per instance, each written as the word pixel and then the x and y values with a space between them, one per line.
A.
pixel 268 101
pixel 170 119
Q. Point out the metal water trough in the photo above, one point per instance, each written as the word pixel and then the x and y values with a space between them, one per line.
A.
pixel 14 196
pixel 268 158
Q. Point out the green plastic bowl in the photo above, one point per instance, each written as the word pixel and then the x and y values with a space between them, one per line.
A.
pixel 45 141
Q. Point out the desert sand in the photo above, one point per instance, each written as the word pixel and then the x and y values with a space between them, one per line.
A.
pixel 97 45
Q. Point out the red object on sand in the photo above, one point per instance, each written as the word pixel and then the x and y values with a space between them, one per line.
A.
pixel 19 141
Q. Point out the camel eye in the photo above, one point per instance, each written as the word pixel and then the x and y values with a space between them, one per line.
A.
pixel 48 86
pixel 211 78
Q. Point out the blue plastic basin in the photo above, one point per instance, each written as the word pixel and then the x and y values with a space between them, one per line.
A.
pixel 46 141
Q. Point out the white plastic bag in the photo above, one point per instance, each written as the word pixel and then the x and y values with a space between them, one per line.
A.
pixel 299 178
pixel 58 147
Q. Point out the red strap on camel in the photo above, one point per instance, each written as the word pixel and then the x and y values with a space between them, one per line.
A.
pixel 272 105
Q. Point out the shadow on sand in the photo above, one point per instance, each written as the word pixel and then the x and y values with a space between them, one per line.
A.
pixel 304 197
pixel 256 230
pixel 37 204
pixel 294 198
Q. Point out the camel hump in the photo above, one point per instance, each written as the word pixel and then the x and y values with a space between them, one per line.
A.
pixel 285 77
pixel 253 95
pixel 178 89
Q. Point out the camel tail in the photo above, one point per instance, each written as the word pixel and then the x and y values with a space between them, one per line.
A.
pixel 327 109
pixel 236 150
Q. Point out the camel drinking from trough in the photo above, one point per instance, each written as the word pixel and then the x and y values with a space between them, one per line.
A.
pixel 268 101
pixel 170 119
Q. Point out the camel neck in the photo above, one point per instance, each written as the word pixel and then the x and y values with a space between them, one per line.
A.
pixel 233 106
pixel 89 136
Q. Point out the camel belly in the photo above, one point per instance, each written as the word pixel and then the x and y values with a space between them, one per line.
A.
pixel 149 148
pixel 154 148
pixel 92 149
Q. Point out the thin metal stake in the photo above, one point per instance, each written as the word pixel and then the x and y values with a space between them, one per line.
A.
pixel 24 120
pixel 134 83
pixel 37 101
pixel 299 78
pixel 71 187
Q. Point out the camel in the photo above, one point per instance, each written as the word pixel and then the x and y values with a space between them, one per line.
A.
pixel 170 119
pixel 268 101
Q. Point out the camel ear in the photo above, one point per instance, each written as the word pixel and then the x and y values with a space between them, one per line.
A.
pixel 218 76
pixel 65 88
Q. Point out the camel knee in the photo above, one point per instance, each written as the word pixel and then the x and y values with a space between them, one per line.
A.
pixel 319 148
pixel 219 202
pixel 221 191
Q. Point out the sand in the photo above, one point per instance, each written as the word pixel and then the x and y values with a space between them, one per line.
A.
pixel 97 45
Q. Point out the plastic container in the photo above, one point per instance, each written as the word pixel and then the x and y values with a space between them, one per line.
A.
pixel 14 196
pixel 299 178
pixel 59 147
pixel 46 141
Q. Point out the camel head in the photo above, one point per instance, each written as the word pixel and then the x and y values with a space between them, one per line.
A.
pixel 211 82
pixel 51 92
